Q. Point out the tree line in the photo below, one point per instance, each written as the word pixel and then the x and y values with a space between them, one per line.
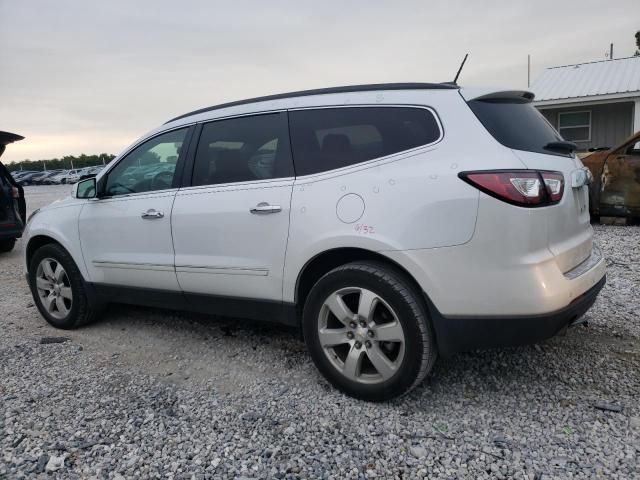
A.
pixel 66 162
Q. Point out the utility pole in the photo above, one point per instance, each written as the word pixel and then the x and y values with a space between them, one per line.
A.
pixel 528 70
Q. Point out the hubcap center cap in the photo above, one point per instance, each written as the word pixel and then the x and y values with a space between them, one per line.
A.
pixel 360 334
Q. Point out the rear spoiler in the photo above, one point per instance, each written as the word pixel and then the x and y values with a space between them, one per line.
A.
pixel 520 96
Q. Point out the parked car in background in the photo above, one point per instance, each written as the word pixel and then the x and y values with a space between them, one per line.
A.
pixel 391 223
pixel 27 179
pixel 90 172
pixel 18 174
pixel 72 176
pixel 55 179
pixel 615 189
pixel 35 179
pixel 42 178
pixel 12 204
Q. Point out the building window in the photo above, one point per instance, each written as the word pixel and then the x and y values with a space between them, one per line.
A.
pixel 575 126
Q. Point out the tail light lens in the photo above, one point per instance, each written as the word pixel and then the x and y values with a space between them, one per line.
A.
pixel 15 192
pixel 554 181
pixel 524 188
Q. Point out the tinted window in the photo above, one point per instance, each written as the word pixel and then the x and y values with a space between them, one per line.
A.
pixel 149 167
pixel 243 149
pixel 515 124
pixel 329 138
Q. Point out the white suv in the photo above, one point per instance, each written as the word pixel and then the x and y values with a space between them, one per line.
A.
pixel 390 222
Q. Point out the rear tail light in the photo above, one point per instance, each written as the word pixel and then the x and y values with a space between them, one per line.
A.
pixel 524 188
pixel 15 192
pixel 554 181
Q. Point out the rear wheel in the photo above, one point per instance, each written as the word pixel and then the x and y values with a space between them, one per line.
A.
pixel 58 288
pixel 368 331
pixel 7 244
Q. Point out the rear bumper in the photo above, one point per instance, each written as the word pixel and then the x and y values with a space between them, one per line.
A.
pixel 10 230
pixel 459 334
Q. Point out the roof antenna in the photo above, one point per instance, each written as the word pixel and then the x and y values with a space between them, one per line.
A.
pixel 460 69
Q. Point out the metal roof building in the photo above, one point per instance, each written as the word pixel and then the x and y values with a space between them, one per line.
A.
pixel 593 104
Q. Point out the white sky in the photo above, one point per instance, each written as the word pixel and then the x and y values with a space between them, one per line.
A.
pixel 80 76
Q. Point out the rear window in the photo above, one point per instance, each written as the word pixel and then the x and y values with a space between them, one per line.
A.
pixel 329 138
pixel 516 124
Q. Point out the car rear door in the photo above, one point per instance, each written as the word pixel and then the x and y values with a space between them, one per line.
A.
pixel 230 223
pixel 13 211
pixel 6 199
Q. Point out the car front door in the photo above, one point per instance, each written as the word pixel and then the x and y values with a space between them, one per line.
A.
pixel 230 225
pixel 620 194
pixel 126 233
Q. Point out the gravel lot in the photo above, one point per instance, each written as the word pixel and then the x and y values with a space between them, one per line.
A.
pixel 147 393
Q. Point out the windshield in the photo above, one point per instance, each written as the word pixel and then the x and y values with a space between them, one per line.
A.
pixel 516 124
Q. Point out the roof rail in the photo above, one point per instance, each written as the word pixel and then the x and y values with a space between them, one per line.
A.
pixel 322 91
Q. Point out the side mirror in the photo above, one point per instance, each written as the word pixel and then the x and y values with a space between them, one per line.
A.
pixel 85 188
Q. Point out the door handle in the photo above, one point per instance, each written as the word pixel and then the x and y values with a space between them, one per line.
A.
pixel 152 213
pixel 264 207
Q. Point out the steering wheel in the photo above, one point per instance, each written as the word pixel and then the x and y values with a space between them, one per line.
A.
pixel 162 180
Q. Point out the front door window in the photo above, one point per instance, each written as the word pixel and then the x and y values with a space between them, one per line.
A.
pixel 149 167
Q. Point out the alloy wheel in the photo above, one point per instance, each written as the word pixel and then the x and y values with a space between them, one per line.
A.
pixel 54 288
pixel 361 335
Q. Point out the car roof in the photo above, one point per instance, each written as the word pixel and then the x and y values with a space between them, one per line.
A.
pixel 323 91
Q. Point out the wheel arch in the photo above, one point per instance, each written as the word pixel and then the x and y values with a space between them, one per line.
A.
pixel 37 242
pixel 327 260
pixel 40 240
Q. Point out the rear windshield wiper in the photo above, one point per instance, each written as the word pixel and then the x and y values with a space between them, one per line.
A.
pixel 561 146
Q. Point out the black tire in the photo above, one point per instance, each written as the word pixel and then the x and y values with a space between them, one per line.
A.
pixel 82 311
pixel 392 286
pixel 7 244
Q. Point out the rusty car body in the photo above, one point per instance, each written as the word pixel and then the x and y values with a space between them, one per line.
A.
pixel 615 189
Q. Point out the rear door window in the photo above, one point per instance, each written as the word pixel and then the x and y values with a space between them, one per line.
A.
pixel 516 124
pixel 243 149
pixel 329 138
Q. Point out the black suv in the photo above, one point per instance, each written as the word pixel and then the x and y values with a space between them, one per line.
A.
pixel 13 208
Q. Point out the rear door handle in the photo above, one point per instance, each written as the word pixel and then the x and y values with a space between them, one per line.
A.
pixel 264 207
pixel 152 213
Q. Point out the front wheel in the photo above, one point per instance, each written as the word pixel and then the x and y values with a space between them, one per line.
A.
pixel 368 331
pixel 58 288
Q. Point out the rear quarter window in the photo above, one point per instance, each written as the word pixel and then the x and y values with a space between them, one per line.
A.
pixel 329 138
pixel 516 124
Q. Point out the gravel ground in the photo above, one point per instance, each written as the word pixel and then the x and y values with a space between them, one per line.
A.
pixel 147 393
